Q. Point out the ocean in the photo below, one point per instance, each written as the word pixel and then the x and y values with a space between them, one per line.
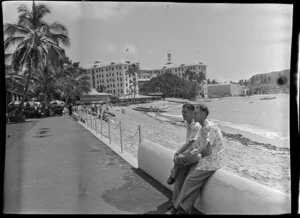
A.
pixel 266 121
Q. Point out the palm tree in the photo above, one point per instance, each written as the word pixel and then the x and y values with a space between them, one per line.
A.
pixel 132 70
pixel 35 40
pixel 196 79
pixel 75 81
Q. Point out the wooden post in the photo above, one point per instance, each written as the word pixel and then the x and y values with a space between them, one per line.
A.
pixel 101 126
pixel 96 126
pixel 140 135
pixel 121 137
pixel 109 132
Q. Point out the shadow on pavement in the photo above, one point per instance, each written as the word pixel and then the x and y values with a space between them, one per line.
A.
pixel 166 192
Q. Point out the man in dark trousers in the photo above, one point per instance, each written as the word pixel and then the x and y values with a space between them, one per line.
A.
pixel 70 109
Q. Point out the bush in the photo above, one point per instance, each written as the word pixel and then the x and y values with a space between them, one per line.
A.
pixel 14 117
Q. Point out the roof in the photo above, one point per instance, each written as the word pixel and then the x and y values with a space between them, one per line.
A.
pixel 171 64
pixel 222 84
pixel 94 92
pixel 136 96
pixel 103 63
pixel 144 80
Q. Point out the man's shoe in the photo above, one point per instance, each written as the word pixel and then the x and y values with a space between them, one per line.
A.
pixel 170 180
pixel 172 211
pixel 181 211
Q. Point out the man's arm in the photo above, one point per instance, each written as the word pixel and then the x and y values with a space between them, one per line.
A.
pixel 185 147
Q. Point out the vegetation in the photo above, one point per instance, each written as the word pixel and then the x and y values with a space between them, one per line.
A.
pixel 268 82
pixel 74 81
pixel 169 84
pixel 38 64
pixel 197 80
pixel 132 71
pixel 37 43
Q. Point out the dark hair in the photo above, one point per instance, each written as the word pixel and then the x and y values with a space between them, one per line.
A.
pixel 203 107
pixel 189 106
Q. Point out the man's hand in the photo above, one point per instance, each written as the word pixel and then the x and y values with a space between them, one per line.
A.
pixel 207 151
pixel 174 158
pixel 181 160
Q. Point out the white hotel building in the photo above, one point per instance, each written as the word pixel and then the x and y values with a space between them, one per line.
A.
pixel 112 75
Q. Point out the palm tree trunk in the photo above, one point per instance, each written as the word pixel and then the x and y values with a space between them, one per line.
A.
pixel 25 92
pixel 67 98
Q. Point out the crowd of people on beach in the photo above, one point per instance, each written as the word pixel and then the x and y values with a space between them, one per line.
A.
pixel 101 111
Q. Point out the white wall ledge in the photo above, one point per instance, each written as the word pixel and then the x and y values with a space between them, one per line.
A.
pixel 223 193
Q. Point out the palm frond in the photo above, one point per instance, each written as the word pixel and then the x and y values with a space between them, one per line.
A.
pixel 41 11
pixel 13 29
pixel 23 9
pixel 11 41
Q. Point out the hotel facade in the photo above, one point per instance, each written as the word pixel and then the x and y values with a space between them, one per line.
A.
pixel 112 76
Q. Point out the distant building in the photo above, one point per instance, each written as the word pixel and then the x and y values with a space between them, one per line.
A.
pixel 176 69
pixel 112 76
pixel 223 90
pixel 94 97
pixel 244 90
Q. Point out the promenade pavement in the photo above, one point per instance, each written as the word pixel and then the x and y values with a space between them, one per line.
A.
pixel 58 167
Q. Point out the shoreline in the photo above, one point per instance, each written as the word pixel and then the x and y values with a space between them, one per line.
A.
pixel 235 136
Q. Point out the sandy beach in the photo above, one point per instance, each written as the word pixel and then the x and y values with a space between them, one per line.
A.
pixel 255 162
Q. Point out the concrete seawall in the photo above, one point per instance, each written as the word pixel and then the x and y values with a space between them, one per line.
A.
pixel 224 193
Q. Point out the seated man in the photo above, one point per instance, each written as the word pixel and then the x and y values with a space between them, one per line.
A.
pixel 185 156
pixel 191 135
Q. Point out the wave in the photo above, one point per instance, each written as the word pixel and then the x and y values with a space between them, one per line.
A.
pixel 252 129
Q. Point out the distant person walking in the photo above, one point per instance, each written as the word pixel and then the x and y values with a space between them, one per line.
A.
pixel 184 157
pixel 70 109
pixel 210 144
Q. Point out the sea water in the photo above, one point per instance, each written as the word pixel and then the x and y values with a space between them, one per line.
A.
pixel 265 121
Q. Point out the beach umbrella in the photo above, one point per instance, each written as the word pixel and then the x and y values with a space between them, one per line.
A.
pixel 57 102
pixel 29 103
pixel 14 103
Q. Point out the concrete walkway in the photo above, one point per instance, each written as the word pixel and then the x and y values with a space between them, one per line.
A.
pixel 57 166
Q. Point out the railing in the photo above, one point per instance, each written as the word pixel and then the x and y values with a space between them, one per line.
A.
pixel 112 131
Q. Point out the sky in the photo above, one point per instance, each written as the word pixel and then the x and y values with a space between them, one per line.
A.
pixel 235 41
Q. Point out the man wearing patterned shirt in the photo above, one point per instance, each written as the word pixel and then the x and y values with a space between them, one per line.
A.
pixel 210 141
pixel 183 159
